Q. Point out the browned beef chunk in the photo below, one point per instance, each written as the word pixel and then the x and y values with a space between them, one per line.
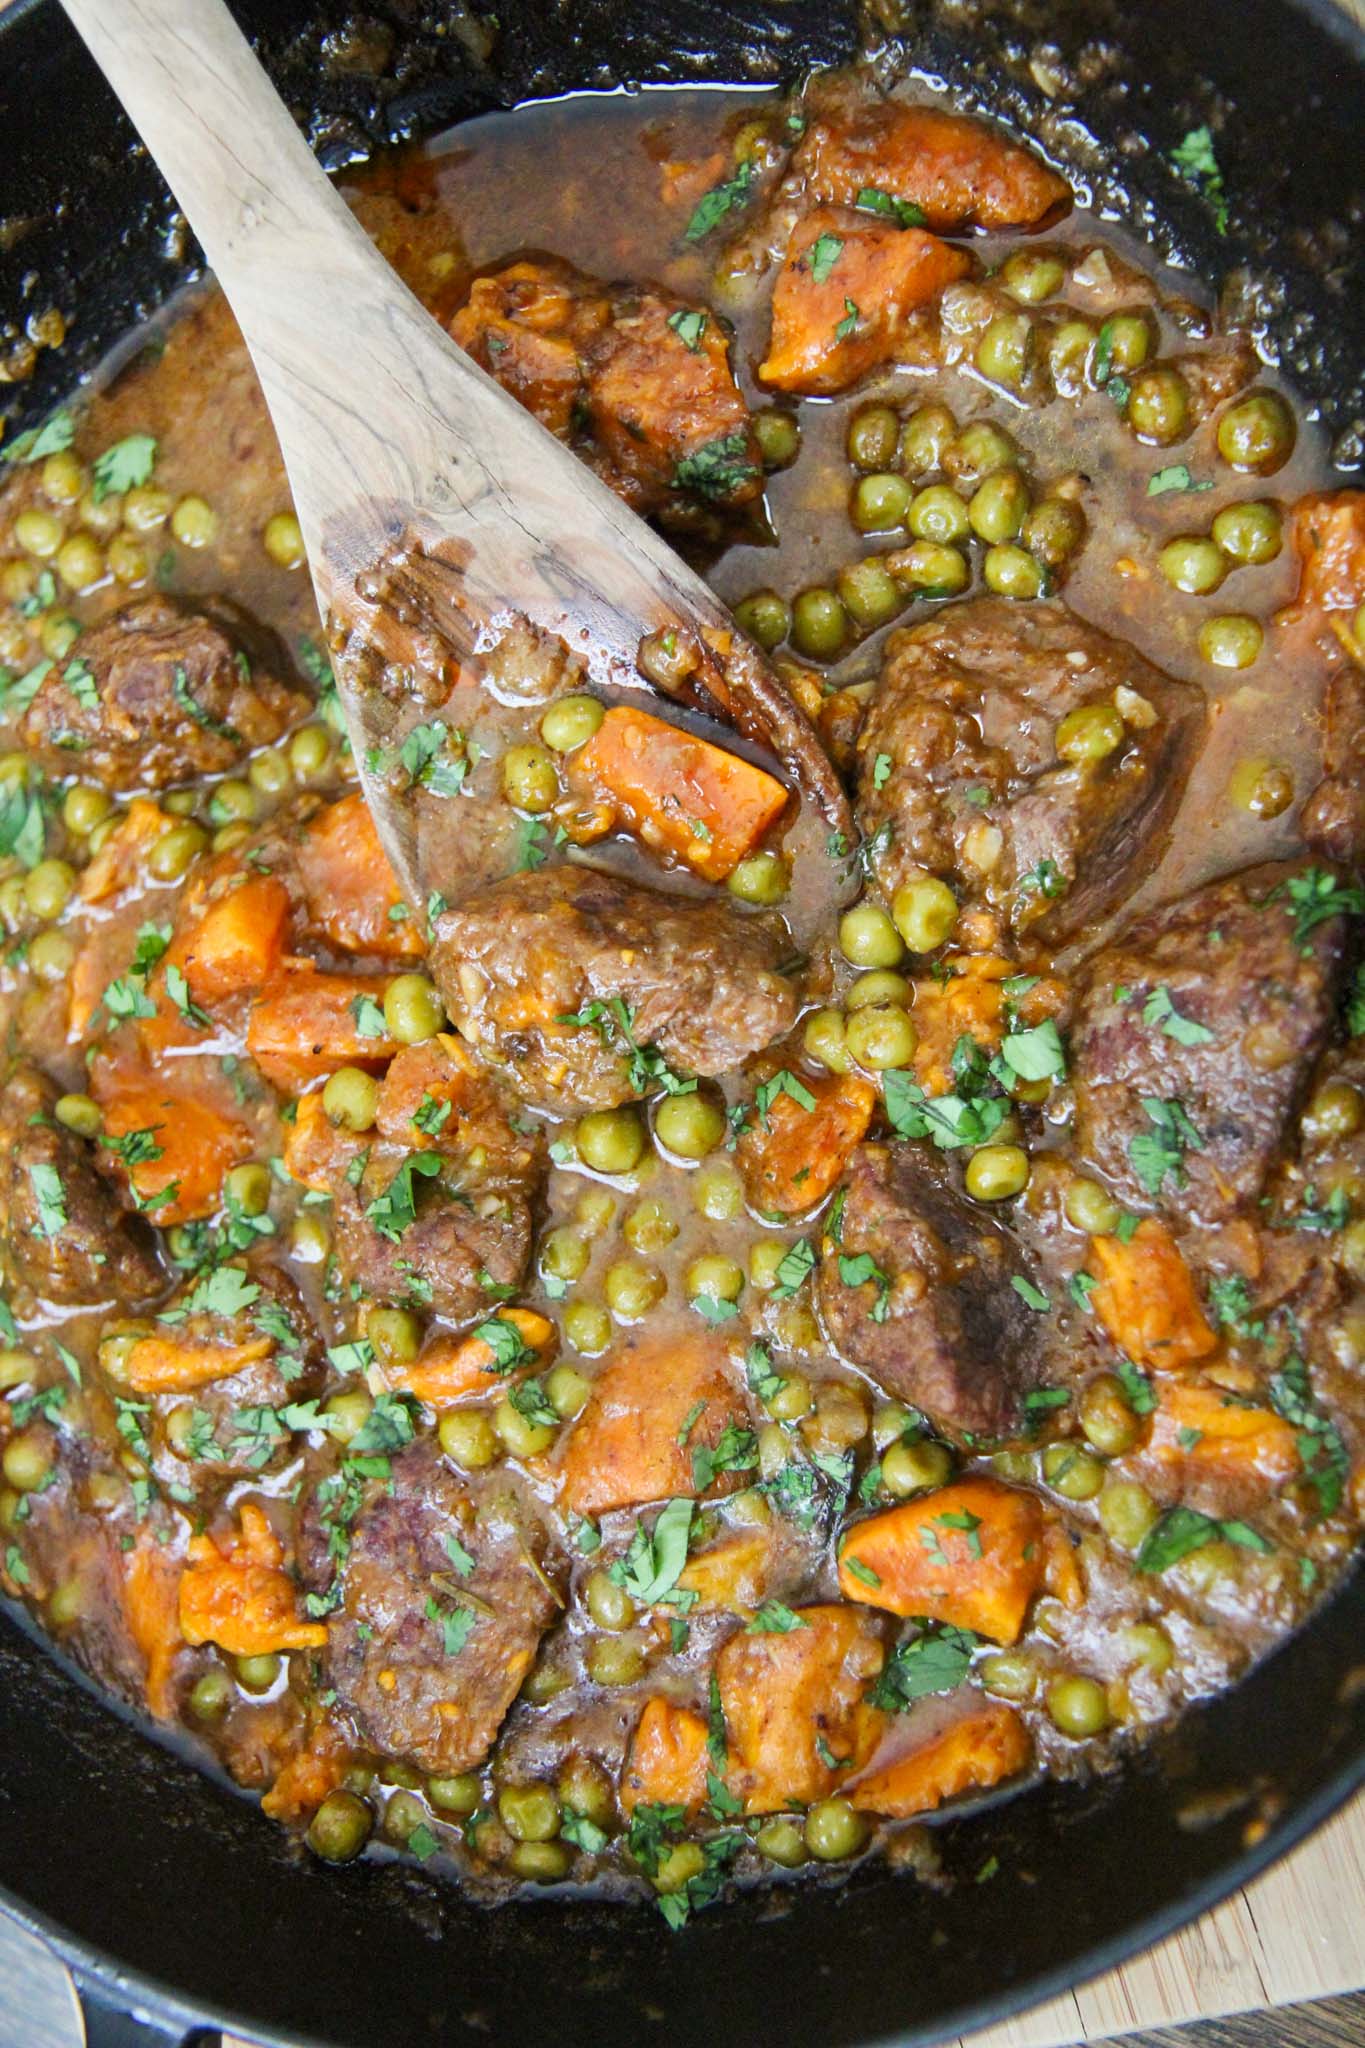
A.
pixel 1195 1032
pixel 699 982
pixel 958 770
pixel 638 378
pixel 439 1260
pixel 158 694
pixel 64 1236
pixel 918 1292
pixel 427 1672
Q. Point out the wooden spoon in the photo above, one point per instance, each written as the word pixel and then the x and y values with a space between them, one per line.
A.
pixel 438 515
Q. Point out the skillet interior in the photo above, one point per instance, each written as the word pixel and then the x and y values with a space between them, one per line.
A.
pixel 130 1850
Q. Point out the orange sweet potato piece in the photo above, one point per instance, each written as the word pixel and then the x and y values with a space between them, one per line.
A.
pixel 987 1744
pixel 240 1598
pixel 791 1156
pixel 453 1368
pixel 350 887
pixel 666 1763
pixel 309 1775
pixel 1203 1429
pixel 957 170
pixel 733 1573
pixel 970 1002
pixel 316 1151
pixel 172 1365
pixel 197 1142
pixel 1328 532
pixel 151 1579
pixel 845 296
pixel 232 945
pixel 441 1069
pixel 1146 1300
pixel 306 1025
pixel 783 1694
pixel 678 795
pixel 624 1448
pixel 118 864
pixel 971 1554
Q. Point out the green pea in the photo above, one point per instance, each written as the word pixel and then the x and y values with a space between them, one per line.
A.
pixel 925 912
pixel 615 1660
pixel 79 1114
pixel 609 1605
pixel 340 1828
pixel 717 1194
pixel 460 1794
pixel 879 503
pixel 232 799
pixel 690 1125
pixel 48 887
pixel 51 956
pixel 16 1369
pixel 868 938
pixel 1107 1418
pixel 176 851
pixel 571 722
pixel 181 803
pixel 27 1461
pixel 269 772
pixel 778 436
pixel 1004 350
pixel 881 1036
pixel 925 439
pixel 1149 1646
pixel 980 448
pixel 931 569
pixel 395 1333
pixel 632 1288
pixel 530 780
pixel 540 1862
pixel 1127 1513
pixel 649 1227
pixel 413 1011
pixel 870 593
pixel 1068 356
pixel 765 617
pixel 1053 530
pixel 873 437
pixel 1232 640
pixel 1077 1707
pixel 1008 1675
pixel 347 1412
pixel 882 985
pixel 1089 733
pixel 834 1830
pixel 998 506
pixel 938 514
pixel 912 1467
pixel 995 1173
pixel 258 1674
pixel 210 1694
pixel 760 878
pixel 1129 340
pixel 1262 787
pixel 1250 532
pixel 714 1278
pixel 1257 433
pixel 568 1392
pixel 679 1866
pixel 309 751
pixel 530 1813
pixel 782 1842
pixel 1032 275
pixel 1089 1207
pixel 587 1327
pixel 819 624
pixel 467 1436
pixel 247 1188
pixel 1073 1473
pixel 350 1098
pixel 519 1436
pixel 1158 408
pixel 1193 564
pixel 404 1813
pixel 765 1259
pixel 822 1036
pixel 84 806
pixel 610 1140
pixel 1012 572
pixel 564 1255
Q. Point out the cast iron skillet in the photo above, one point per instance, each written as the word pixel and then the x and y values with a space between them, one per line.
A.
pixel 165 1890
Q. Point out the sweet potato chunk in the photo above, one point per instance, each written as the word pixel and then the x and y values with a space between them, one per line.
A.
pixel 308 1023
pixel 1201 1428
pixel 350 888
pixel 151 1580
pixel 174 1365
pixel 624 1448
pixel 974 1752
pixel 1146 1300
pixel 453 1368
pixel 971 1554
pixel 118 864
pixel 956 170
pixel 195 1143
pixel 791 1156
pixel 969 1003
pixel 666 1764
pixel 240 1597
pixel 697 804
pixel 1328 532
pixel 784 1694
pixel 440 1071
pixel 845 297
pixel 231 943
pixel 309 1775
pixel 733 1573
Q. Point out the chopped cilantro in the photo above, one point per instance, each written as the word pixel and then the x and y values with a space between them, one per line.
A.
pixel 123 467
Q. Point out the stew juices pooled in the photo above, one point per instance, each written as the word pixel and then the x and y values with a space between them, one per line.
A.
pixel 599 1377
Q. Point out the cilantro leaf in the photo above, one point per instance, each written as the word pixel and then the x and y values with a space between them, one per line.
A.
pixel 1161 1151
pixel 123 467
pixel 396 1208
pixel 936 1661
pixel 1160 1008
